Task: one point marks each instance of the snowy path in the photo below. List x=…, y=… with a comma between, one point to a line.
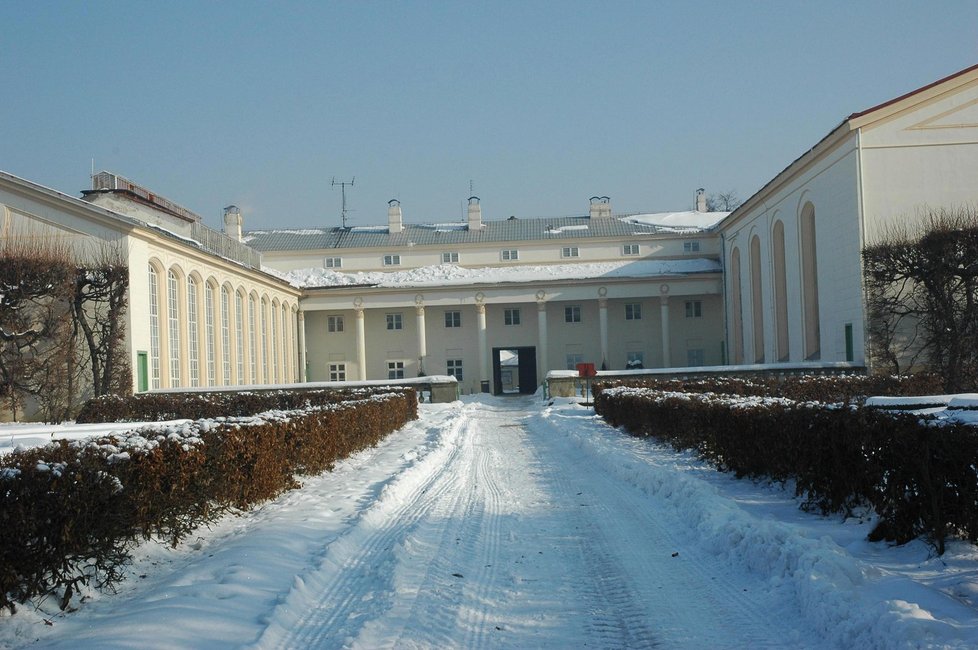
x=504, y=523
x=506, y=538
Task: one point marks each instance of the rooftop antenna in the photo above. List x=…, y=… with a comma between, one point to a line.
x=343, y=185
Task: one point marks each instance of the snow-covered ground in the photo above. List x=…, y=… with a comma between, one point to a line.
x=510, y=522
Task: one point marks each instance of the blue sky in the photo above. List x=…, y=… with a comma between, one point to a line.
x=539, y=105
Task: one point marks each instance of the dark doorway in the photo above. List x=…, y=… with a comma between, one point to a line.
x=514, y=371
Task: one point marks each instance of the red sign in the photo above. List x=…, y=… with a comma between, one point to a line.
x=586, y=370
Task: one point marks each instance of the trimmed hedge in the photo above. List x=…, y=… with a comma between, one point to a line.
x=920, y=477
x=71, y=511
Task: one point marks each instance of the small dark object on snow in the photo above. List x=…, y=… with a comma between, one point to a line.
x=676, y=554
x=457, y=575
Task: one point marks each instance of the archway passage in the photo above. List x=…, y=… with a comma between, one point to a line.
x=514, y=370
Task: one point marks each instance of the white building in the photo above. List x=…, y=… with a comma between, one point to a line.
x=777, y=280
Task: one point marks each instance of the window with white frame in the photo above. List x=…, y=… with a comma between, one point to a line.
x=333, y=262
x=695, y=357
x=511, y=316
x=395, y=322
x=635, y=360
x=570, y=251
x=691, y=247
x=392, y=260
x=264, y=340
x=395, y=370
x=210, y=335
x=572, y=314
x=454, y=368
x=273, y=317
x=574, y=358
x=239, y=336
x=453, y=318
x=629, y=249
x=633, y=311
x=509, y=254
x=334, y=323
x=694, y=309
x=252, y=320
x=193, y=336
x=173, y=312
x=449, y=258
x=337, y=372
x=154, y=326
x=226, y=336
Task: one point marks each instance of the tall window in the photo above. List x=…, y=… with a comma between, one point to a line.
x=253, y=331
x=154, y=326
x=572, y=314
x=809, y=276
x=453, y=318
x=239, y=335
x=273, y=316
x=633, y=311
x=264, y=340
x=511, y=316
x=193, y=335
x=210, y=336
x=286, y=345
x=756, y=299
x=736, y=307
x=226, y=335
x=173, y=323
x=780, y=293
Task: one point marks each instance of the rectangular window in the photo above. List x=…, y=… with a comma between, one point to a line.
x=691, y=247
x=334, y=323
x=154, y=327
x=570, y=251
x=337, y=372
x=455, y=368
x=394, y=322
x=696, y=357
x=395, y=370
x=510, y=255
x=333, y=262
x=635, y=360
x=449, y=258
x=572, y=314
x=392, y=260
x=193, y=332
x=694, y=309
x=573, y=359
x=511, y=316
x=453, y=319
x=629, y=249
x=633, y=311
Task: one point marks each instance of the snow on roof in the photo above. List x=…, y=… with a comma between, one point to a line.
x=685, y=220
x=452, y=274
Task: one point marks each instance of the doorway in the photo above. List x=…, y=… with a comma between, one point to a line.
x=514, y=371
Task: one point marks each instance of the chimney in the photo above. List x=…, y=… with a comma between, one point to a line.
x=233, y=222
x=600, y=207
x=701, y=200
x=475, y=213
x=394, y=223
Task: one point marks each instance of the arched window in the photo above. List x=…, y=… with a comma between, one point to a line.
x=239, y=334
x=173, y=325
x=154, y=326
x=225, y=336
x=252, y=319
x=780, y=293
x=756, y=299
x=286, y=345
x=809, y=283
x=210, y=334
x=737, y=326
x=273, y=317
x=193, y=334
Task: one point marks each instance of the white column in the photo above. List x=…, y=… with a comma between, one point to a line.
x=483, y=346
x=664, y=301
x=603, y=322
x=422, y=345
x=542, y=338
x=361, y=344
x=302, y=346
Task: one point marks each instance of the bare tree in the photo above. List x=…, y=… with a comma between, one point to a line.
x=723, y=201
x=922, y=289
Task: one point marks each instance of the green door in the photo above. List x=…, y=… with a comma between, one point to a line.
x=142, y=371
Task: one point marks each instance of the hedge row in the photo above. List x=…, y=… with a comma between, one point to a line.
x=920, y=477
x=157, y=407
x=801, y=388
x=70, y=512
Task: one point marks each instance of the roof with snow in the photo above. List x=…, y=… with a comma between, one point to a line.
x=451, y=274
x=512, y=229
